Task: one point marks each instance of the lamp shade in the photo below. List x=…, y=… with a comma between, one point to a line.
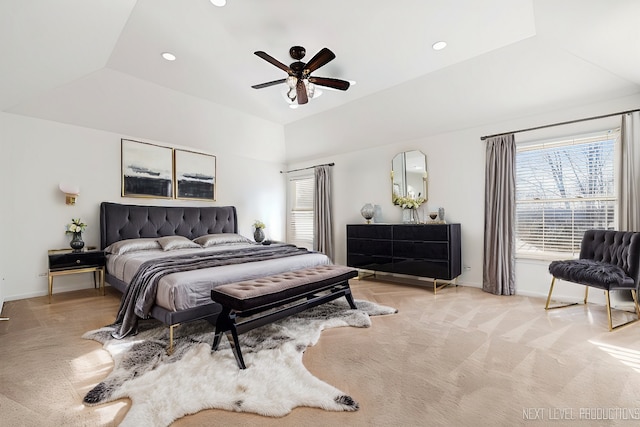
x=71, y=192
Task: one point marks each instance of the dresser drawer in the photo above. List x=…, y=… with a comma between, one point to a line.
x=420, y=267
x=369, y=231
x=431, y=232
x=370, y=247
x=421, y=250
x=370, y=262
x=70, y=260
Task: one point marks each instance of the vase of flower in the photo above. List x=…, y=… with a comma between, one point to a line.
x=75, y=228
x=409, y=207
x=76, y=241
x=410, y=216
x=258, y=233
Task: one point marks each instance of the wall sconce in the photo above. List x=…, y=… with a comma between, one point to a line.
x=71, y=192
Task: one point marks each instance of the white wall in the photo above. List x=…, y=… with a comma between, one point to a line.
x=4, y=179
x=38, y=154
x=455, y=162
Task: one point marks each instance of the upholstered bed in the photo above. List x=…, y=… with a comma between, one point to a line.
x=207, y=237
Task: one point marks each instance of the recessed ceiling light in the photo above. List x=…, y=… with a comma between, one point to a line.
x=218, y=3
x=439, y=45
x=169, y=56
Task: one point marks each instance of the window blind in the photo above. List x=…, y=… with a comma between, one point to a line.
x=564, y=188
x=300, y=228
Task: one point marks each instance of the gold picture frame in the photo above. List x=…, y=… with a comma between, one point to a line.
x=147, y=170
x=194, y=175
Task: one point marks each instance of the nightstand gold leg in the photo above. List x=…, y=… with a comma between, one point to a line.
x=50, y=287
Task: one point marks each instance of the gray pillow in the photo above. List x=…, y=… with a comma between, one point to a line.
x=170, y=243
x=220, y=239
x=131, y=245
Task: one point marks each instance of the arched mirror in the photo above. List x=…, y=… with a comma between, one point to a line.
x=409, y=176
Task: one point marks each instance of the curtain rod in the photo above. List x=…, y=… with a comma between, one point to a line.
x=560, y=124
x=310, y=167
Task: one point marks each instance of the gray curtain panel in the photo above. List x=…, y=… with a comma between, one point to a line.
x=498, y=276
x=322, y=207
x=629, y=188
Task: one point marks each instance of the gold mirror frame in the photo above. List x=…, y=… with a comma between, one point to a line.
x=409, y=184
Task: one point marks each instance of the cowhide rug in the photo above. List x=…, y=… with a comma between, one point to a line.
x=163, y=388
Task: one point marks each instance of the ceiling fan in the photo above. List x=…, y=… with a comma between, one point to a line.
x=300, y=82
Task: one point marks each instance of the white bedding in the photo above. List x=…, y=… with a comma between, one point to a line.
x=179, y=291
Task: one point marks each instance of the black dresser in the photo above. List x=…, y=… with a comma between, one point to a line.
x=425, y=250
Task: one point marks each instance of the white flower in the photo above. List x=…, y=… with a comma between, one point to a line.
x=407, y=202
x=76, y=226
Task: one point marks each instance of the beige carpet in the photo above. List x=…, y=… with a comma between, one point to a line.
x=461, y=357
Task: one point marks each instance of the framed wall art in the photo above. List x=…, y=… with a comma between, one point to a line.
x=147, y=170
x=195, y=175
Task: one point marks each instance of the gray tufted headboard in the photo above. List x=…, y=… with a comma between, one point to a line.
x=119, y=222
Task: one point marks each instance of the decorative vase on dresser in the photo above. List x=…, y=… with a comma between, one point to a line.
x=410, y=216
x=432, y=251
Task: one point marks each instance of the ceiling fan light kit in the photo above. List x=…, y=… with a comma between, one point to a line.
x=302, y=86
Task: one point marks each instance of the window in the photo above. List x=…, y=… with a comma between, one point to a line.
x=564, y=188
x=300, y=224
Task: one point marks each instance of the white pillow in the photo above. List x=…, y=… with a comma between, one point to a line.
x=170, y=243
x=131, y=245
x=220, y=239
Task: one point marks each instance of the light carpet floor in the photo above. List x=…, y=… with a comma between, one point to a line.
x=462, y=357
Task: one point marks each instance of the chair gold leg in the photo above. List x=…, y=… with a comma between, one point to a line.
x=553, y=281
x=606, y=292
x=546, y=307
x=586, y=293
x=635, y=303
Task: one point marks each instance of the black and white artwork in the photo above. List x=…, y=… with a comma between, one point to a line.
x=195, y=175
x=147, y=170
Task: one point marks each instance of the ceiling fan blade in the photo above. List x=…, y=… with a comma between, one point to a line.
x=274, y=61
x=301, y=91
x=321, y=58
x=273, y=83
x=329, y=82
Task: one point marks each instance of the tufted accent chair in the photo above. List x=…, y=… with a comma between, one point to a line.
x=609, y=260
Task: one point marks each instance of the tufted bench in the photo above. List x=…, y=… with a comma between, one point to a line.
x=609, y=260
x=267, y=299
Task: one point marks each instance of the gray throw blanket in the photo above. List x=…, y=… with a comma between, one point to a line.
x=140, y=295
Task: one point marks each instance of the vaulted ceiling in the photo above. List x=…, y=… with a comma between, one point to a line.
x=78, y=61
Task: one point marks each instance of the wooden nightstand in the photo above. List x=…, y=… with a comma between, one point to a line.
x=68, y=261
